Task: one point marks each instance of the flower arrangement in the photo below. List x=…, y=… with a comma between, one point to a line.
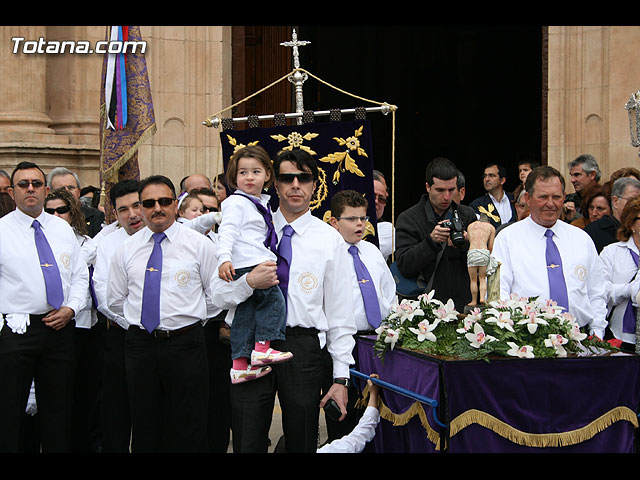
x=517, y=327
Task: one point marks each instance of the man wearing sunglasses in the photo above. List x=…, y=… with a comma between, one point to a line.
x=319, y=318
x=385, y=229
x=159, y=282
x=43, y=282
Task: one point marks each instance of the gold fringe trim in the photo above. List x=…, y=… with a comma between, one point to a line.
x=401, y=419
x=542, y=440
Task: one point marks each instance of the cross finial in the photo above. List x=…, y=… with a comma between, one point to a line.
x=295, y=44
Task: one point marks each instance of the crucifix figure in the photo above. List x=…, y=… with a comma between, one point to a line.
x=298, y=78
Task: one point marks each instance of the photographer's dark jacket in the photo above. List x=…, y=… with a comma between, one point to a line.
x=416, y=253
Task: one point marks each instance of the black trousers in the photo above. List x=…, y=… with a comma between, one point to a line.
x=114, y=411
x=298, y=384
x=219, y=355
x=168, y=381
x=46, y=356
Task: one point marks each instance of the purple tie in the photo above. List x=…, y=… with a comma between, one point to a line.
x=284, y=259
x=150, y=315
x=271, y=240
x=557, y=285
x=629, y=319
x=367, y=288
x=52, y=280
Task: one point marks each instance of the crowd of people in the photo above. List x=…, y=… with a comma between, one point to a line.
x=174, y=327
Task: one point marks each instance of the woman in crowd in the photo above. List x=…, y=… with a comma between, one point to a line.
x=595, y=205
x=620, y=263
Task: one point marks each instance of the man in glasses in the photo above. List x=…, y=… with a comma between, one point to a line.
x=159, y=282
x=43, y=282
x=385, y=229
x=314, y=276
x=61, y=177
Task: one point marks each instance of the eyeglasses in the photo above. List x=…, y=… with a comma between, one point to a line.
x=289, y=177
x=163, y=202
x=206, y=209
x=353, y=219
x=381, y=200
x=59, y=210
x=24, y=184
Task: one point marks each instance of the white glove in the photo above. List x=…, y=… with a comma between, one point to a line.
x=217, y=217
x=18, y=322
x=32, y=407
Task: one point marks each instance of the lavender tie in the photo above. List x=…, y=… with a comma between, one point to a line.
x=150, y=315
x=629, y=319
x=52, y=280
x=557, y=285
x=284, y=259
x=271, y=240
x=367, y=288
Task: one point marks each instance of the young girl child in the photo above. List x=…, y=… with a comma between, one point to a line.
x=191, y=213
x=245, y=239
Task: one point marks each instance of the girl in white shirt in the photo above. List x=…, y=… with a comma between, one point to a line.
x=246, y=238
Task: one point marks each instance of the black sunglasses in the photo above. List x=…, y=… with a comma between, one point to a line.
x=60, y=210
x=209, y=209
x=289, y=177
x=24, y=184
x=151, y=202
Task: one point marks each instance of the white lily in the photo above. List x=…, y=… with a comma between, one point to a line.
x=467, y=323
x=557, y=341
x=575, y=333
x=425, y=330
x=532, y=322
x=391, y=337
x=406, y=310
x=501, y=318
x=446, y=312
x=427, y=297
x=526, y=351
x=478, y=337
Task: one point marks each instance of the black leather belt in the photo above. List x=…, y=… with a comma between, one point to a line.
x=170, y=333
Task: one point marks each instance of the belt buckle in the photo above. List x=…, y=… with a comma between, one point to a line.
x=161, y=333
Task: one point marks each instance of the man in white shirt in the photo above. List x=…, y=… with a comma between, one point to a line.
x=526, y=249
x=115, y=418
x=372, y=285
x=43, y=283
x=496, y=203
x=319, y=313
x=159, y=282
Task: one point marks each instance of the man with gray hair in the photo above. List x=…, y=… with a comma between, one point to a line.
x=61, y=177
x=5, y=181
x=583, y=173
x=603, y=231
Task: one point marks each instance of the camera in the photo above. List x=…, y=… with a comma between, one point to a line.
x=456, y=229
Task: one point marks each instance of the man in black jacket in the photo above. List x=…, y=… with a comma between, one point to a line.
x=424, y=247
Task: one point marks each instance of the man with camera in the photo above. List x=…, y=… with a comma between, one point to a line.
x=431, y=237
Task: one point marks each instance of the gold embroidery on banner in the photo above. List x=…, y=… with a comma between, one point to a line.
x=350, y=165
x=295, y=140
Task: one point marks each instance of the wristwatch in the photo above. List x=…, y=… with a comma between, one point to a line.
x=342, y=381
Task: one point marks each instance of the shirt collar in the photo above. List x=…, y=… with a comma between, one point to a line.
x=495, y=200
x=299, y=225
x=27, y=220
x=171, y=232
x=630, y=244
x=539, y=229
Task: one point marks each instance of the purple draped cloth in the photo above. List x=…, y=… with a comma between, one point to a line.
x=538, y=396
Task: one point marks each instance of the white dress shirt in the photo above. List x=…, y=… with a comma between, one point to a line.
x=22, y=287
x=319, y=294
x=621, y=284
x=503, y=206
x=382, y=279
x=87, y=317
x=521, y=250
x=386, y=238
x=104, y=256
x=357, y=439
x=188, y=264
x=242, y=232
x=202, y=223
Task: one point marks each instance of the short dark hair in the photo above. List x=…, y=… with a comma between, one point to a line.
x=347, y=198
x=532, y=163
x=303, y=160
x=122, y=188
x=256, y=152
x=27, y=166
x=157, y=180
x=542, y=172
x=502, y=172
x=441, y=168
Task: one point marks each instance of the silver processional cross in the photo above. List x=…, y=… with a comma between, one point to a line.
x=298, y=78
